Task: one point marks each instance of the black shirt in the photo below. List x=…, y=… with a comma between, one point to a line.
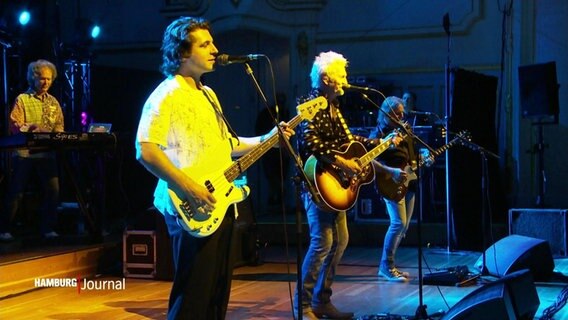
x=395, y=156
x=323, y=136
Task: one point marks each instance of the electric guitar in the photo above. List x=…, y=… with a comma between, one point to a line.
x=218, y=177
x=338, y=190
x=395, y=191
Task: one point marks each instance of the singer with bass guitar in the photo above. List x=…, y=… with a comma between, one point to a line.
x=182, y=126
x=324, y=138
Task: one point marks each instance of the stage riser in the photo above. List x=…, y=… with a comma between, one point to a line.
x=19, y=276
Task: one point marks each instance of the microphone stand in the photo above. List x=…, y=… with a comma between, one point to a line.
x=301, y=177
x=448, y=111
x=5, y=157
x=5, y=46
x=421, y=309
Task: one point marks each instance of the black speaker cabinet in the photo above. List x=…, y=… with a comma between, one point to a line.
x=245, y=242
x=139, y=254
x=516, y=252
x=511, y=297
x=546, y=224
x=473, y=105
x=538, y=90
x=147, y=253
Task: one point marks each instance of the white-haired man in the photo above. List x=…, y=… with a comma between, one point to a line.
x=323, y=138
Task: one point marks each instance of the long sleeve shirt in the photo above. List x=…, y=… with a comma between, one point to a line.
x=323, y=136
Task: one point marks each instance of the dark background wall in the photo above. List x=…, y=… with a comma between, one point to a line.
x=391, y=45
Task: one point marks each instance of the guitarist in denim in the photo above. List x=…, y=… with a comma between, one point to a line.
x=322, y=137
x=399, y=210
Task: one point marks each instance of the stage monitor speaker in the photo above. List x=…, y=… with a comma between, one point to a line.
x=511, y=297
x=538, y=90
x=517, y=252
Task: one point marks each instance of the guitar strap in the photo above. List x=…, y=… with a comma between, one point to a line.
x=412, y=153
x=219, y=113
x=344, y=125
x=233, y=133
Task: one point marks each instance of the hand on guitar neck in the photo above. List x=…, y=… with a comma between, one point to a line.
x=426, y=158
x=396, y=138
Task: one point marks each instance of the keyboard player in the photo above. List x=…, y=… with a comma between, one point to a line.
x=34, y=111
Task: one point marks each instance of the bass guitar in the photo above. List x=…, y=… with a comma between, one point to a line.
x=338, y=190
x=395, y=191
x=219, y=179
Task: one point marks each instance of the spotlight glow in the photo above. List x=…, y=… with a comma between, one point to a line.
x=95, y=31
x=24, y=17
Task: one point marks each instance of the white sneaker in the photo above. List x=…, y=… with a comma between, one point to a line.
x=50, y=235
x=392, y=275
x=404, y=273
x=6, y=236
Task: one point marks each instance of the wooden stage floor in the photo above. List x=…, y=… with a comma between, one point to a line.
x=264, y=291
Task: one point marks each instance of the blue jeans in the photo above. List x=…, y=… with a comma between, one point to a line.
x=328, y=239
x=399, y=213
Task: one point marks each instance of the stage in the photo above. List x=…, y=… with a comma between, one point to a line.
x=258, y=292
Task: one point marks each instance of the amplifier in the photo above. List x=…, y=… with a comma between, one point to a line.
x=545, y=224
x=139, y=254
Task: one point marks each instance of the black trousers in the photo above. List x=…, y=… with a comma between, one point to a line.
x=47, y=172
x=203, y=271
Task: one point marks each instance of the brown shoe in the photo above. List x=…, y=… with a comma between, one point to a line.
x=329, y=311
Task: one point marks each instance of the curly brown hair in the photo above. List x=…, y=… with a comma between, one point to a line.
x=35, y=67
x=176, y=43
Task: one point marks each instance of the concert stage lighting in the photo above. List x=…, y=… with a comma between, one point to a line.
x=95, y=31
x=24, y=17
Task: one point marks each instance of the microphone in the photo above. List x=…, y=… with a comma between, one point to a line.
x=446, y=23
x=418, y=113
x=225, y=59
x=352, y=87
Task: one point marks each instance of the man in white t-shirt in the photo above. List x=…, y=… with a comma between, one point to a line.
x=182, y=127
